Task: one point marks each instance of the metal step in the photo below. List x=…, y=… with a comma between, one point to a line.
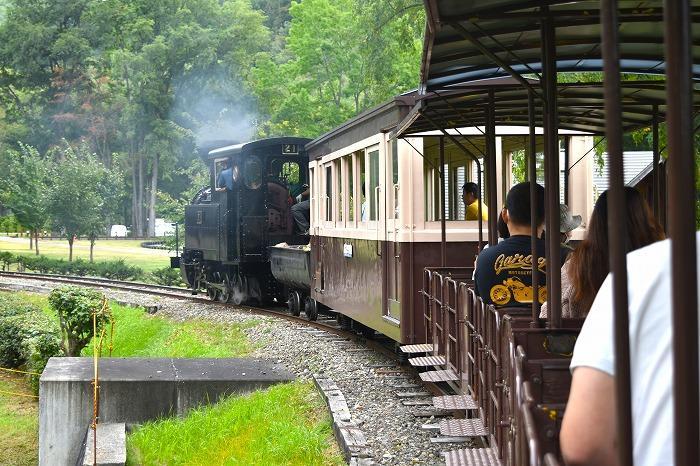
x=422, y=348
x=427, y=361
x=454, y=402
x=472, y=457
x=463, y=428
x=438, y=376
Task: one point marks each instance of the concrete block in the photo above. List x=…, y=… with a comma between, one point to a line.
x=111, y=445
x=135, y=390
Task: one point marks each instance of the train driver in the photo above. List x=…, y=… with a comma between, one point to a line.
x=225, y=179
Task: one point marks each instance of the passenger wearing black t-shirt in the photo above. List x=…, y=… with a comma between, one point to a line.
x=503, y=273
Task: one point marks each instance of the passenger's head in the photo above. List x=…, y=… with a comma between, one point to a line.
x=503, y=231
x=470, y=193
x=589, y=262
x=518, y=205
x=567, y=222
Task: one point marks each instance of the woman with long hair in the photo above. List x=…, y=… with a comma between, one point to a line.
x=588, y=265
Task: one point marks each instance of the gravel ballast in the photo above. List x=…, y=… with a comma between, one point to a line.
x=369, y=380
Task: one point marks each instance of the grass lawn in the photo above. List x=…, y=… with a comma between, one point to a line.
x=138, y=334
x=283, y=425
x=129, y=250
x=286, y=424
x=19, y=422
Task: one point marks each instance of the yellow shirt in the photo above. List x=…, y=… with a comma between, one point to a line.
x=473, y=212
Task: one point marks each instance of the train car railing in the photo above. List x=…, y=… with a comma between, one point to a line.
x=454, y=320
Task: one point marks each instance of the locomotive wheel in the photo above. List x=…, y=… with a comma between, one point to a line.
x=213, y=293
x=239, y=292
x=226, y=295
x=311, y=308
x=294, y=303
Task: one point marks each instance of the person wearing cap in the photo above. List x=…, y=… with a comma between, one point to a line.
x=586, y=267
x=470, y=196
x=567, y=224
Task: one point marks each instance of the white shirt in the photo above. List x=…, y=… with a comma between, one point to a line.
x=651, y=363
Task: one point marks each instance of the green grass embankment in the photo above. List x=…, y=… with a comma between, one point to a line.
x=283, y=425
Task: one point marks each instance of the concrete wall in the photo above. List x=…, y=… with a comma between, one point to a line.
x=134, y=390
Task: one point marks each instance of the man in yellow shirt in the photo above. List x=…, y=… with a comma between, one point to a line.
x=470, y=196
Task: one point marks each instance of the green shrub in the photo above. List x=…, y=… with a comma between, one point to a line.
x=117, y=269
x=36, y=352
x=7, y=259
x=75, y=307
x=167, y=276
x=28, y=337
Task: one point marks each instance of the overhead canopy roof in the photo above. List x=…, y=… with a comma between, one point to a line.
x=510, y=30
x=581, y=106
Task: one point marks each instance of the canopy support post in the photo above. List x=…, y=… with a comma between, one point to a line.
x=682, y=202
x=491, y=169
x=551, y=158
x=532, y=171
x=616, y=228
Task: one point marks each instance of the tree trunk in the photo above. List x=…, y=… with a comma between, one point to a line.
x=139, y=229
x=134, y=199
x=70, y=248
x=31, y=241
x=92, y=247
x=36, y=241
x=152, y=201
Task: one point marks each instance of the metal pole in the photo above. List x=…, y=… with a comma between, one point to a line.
x=491, y=169
x=681, y=159
x=532, y=163
x=656, y=195
x=616, y=226
x=177, y=240
x=567, y=155
x=551, y=156
x=443, y=232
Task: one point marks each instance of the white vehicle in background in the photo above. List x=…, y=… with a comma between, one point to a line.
x=163, y=228
x=118, y=231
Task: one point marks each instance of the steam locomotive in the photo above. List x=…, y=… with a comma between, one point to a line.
x=230, y=225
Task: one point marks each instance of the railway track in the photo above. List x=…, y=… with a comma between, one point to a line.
x=325, y=322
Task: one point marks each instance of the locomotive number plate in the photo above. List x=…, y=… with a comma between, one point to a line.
x=290, y=149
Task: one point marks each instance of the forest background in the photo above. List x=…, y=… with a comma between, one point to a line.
x=105, y=104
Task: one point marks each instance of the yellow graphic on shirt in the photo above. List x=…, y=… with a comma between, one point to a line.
x=514, y=288
x=518, y=261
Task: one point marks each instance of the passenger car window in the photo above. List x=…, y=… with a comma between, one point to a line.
x=373, y=183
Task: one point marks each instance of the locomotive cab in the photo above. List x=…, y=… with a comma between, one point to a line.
x=247, y=209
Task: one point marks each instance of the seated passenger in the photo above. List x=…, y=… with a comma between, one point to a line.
x=503, y=274
x=567, y=224
x=587, y=267
x=589, y=431
x=301, y=211
x=470, y=196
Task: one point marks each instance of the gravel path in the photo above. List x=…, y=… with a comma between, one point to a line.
x=368, y=379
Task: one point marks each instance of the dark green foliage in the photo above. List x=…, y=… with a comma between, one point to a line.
x=36, y=352
x=167, y=276
x=75, y=308
x=116, y=269
x=7, y=259
x=28, y=337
